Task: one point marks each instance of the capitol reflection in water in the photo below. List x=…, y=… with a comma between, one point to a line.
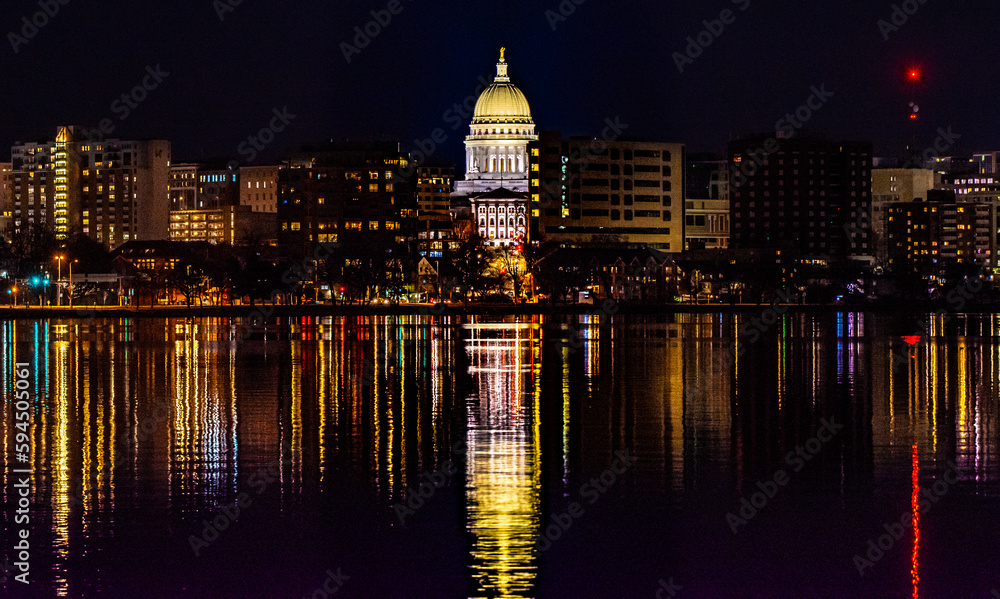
x=144, y=428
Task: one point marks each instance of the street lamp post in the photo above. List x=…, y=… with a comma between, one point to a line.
x=69, y=287
x=59, y=260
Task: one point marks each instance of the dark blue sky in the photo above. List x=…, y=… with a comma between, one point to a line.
x=605, y=60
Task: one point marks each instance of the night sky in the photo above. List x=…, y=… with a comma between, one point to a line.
x=604, y=60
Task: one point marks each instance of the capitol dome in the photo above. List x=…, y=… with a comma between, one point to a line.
x=502, y=103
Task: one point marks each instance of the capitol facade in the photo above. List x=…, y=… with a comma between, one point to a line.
x=497, y=163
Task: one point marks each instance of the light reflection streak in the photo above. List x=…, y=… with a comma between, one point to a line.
x=503, y=468
x=915, y=509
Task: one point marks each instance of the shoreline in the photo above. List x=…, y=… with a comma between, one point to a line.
x=320, y=310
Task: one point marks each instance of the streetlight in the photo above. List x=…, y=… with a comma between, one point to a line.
x=59, y=260
x=70, y=286
x=13, y=291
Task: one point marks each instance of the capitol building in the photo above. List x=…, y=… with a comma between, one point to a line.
x=497, y=164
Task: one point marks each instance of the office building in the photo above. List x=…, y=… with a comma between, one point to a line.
x=892, y=186
x=434, y=188
x=346, y=190
x=6, y=197
x=802, y=195
x=234, y=225
x=113, y=191
x=939, y=234
x=590, y=191
x=706, y=205
x=259, y=187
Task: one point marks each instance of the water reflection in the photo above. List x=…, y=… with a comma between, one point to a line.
x=368, y=405
x=503, y=467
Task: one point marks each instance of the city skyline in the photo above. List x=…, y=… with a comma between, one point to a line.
x=208, y=110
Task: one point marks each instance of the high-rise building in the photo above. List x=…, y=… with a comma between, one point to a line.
x=184, y=186
x=497, y=146
x=939, y=233
x=586, y=191
x=229, y=224
x=892, y=186
x=706, y=205
x=114, y=191
x=218, y=188
x=6, y=196
x=223, y=204
x=344, y=190
x=259, y=187
x=805, y=195
x=986, y=163
x=434, y=188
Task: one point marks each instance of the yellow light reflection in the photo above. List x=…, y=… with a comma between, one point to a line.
x=503, y=467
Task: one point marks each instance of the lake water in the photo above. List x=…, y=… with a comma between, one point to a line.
x=383, y=457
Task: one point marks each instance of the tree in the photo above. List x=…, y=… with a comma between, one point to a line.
x=189, y=279
x=513, y=271
x=92, y=255
x=33, y=243
x=471, y=262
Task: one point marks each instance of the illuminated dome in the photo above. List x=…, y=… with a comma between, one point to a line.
x=502, y=102
x=496, y=149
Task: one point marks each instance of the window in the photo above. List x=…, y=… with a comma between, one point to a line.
x=373, y=188
x=373, y=225
x=352, y=225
